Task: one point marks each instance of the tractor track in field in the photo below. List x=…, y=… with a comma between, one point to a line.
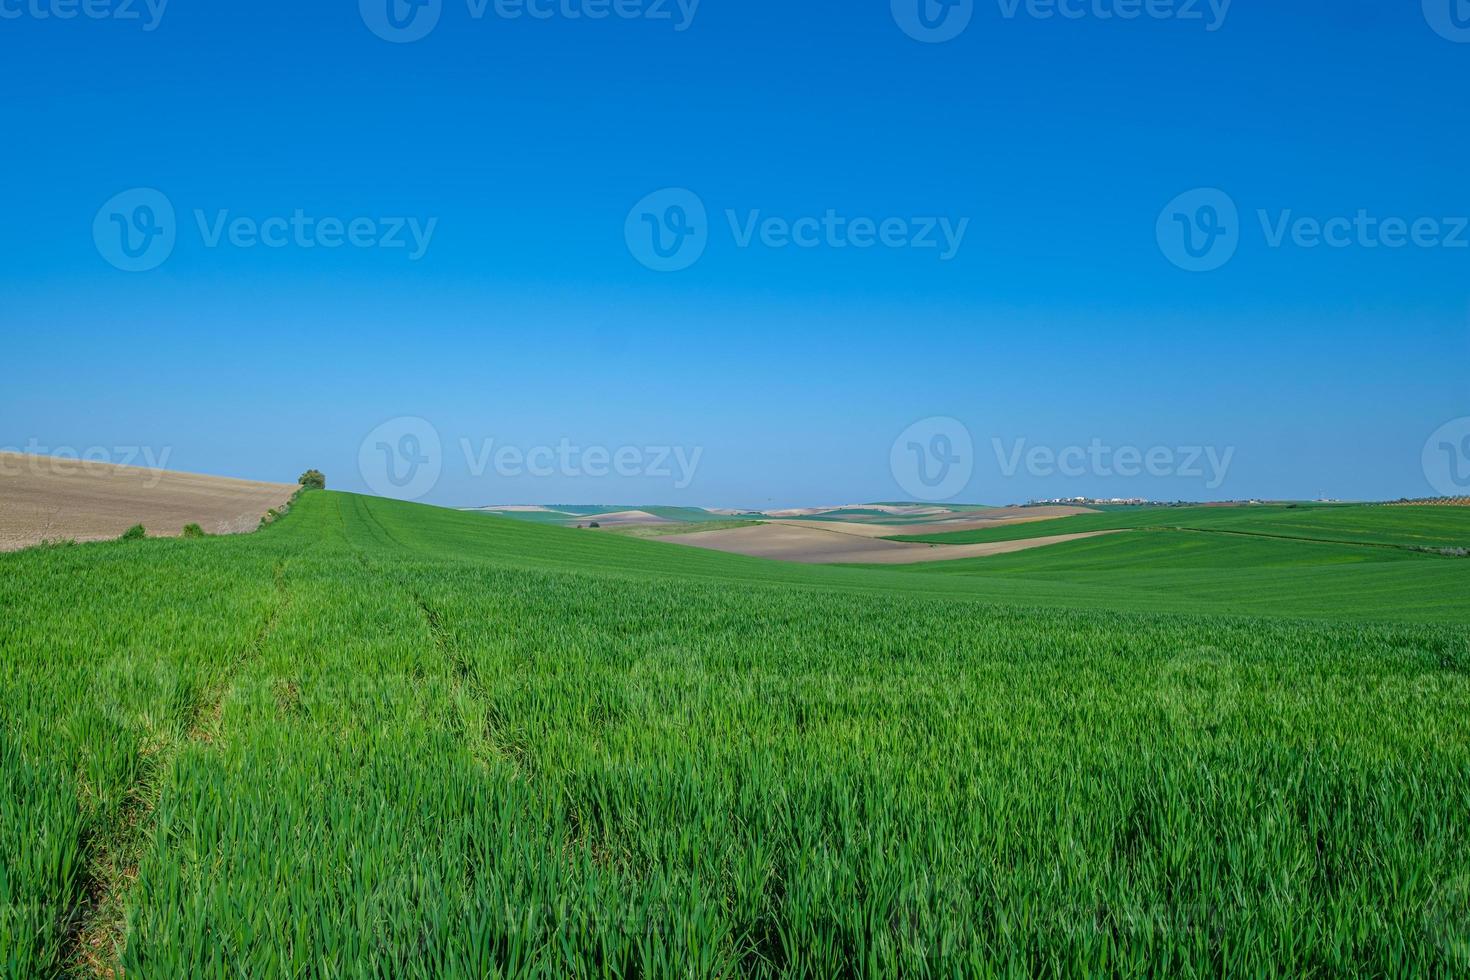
x=463, y=680
x=206, y=721
x=1419, y=549
x=485, y=743
x=462, y=674
x=112, y=869
x=1450, y=551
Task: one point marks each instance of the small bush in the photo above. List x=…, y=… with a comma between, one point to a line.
x=135, y=533
x=313, y=480
x=595, y=524
x=193, y=531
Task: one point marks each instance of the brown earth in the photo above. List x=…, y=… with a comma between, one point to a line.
x=887, y=510
x=813, y=543
x=47, y=499
x=852, y=528
x=951, y=520
x=621, y=518
x=971, y=521
x=995, y=517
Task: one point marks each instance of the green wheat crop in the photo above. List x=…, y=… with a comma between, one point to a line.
x=381, y=740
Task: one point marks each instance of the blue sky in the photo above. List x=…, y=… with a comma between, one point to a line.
x=1061, y=319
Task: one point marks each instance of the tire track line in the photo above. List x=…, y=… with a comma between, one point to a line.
x=112, y=870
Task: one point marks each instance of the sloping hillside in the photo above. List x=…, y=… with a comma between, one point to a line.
x=384, y=739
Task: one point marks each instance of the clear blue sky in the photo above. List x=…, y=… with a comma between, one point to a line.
x=528, y=320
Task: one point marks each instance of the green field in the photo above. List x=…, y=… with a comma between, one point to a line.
x=384, y=740
x=1167, y=570
x=1421, y=527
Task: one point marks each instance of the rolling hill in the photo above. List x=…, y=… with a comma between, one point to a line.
x=385, y=739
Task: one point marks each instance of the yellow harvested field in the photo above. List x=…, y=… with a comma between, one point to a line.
x=813, y=543
x=48, y=499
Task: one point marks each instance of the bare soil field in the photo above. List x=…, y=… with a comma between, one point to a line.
x=871, y=531
x=996, y=517
x=1010, y=515
x=951, y=520
x=818, y=544
x=677, y=527
x=623, y=518
x=48, y=499
x=872, y=512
